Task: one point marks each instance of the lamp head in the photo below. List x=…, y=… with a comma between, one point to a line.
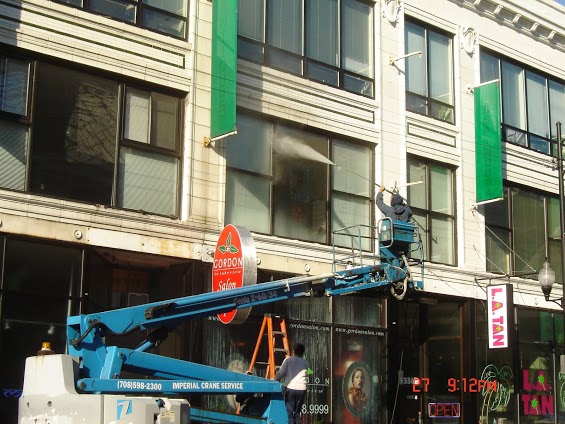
x=546, y=278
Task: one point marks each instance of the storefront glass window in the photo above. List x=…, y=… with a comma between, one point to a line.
x=494, y=365
x=536, y=366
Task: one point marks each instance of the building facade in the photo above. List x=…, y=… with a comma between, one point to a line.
x=110, y=194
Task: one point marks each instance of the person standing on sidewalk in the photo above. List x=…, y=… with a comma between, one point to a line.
x=293, y=372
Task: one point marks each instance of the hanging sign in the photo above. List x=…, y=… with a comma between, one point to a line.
x=500, y=315
x=235, y=266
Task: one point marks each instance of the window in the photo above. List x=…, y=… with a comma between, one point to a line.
x=164, y=16
x=531, y=104
x=330, y=41
x=520, y=230
x=77, y=142
x=280, y=181
x=432, y=203
x=14, y=132
x=429, y=78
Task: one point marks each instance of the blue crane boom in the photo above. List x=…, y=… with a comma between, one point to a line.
x=97, y=368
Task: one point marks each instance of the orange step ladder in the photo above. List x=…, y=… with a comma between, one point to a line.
x=274, y=339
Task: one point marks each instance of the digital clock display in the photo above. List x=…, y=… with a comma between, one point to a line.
x=460, y=385
x=470, y=385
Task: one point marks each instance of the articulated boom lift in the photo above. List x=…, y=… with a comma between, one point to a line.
x=86, y=384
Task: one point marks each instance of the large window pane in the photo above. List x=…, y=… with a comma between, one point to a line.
x=13, y=155
x=441, y=181
x=148, y=182
x=178, y=7
x=43, y=270
x=300, y=185
x=489, y=68
x=422, y=223
x=441, y=81
x=444, y=320
x=322, y=31
x=536, y=87
x=164, y=121
x=432, y=205
x=416, y=74
x=248, y=202
x=349, y=211
x=498, y=250
x=357, y=37
x=417, y=193
x=513, y=96
x=528, y=230
x=352, y=170
x=442, y=246
x=121, y=10
x=554, y=236
x=136, y=115
x=557, y=106
x=278, y=180
x=250, y=19
x=74, y=135
x=496, y=213
x=164, y=23
x=250, y=148
x=14, y=77
x=285, y=25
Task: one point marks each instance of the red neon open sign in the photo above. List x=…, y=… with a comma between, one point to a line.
x=444, y=410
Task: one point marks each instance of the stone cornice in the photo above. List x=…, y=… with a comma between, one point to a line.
x=527, y=21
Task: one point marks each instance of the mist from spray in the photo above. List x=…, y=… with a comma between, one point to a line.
x=292, y=147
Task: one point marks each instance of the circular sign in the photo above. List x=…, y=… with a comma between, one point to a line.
x=235, y=265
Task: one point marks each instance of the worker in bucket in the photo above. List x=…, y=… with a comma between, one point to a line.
x=293, y=372
x=397, y=210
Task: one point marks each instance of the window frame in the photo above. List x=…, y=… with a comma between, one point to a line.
x=119, y=142
x=262, y=52
x=530, y=137
x=140, y=9
x=430, y=214
x=429, y=102
x=509, y=230
x=330, y=190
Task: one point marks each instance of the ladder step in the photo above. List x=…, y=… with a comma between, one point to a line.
x=261, y=363
x=280, y=349
x=279, y=333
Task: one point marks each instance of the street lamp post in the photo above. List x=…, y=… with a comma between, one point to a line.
x=561, y=201
x=546, y=275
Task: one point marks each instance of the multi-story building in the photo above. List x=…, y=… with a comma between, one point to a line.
x=112, y=194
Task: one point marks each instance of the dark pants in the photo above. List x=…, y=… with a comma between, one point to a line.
x=293, y=400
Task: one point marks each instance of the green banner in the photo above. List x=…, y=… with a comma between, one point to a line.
x=224, y=67
x=488, y=145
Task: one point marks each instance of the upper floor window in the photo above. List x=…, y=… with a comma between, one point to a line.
x=531, y=104
x=433, y=205
x=167, y=17
x=330, y=41
x=89, y=142
x=521, y=231
x=280, y=181
x=429, y=78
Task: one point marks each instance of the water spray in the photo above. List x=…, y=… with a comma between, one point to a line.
x=392, y=190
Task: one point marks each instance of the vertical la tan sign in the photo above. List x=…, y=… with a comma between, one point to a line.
x=235, y=265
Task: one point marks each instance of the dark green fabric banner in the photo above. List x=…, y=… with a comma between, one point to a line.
x=488, y=145
x=224, y=67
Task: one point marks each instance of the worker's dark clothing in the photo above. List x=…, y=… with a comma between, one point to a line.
x=397, y=209
x=293, y=400
x=293, y=371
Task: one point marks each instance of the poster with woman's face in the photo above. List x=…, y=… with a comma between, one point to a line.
x=357, y=388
